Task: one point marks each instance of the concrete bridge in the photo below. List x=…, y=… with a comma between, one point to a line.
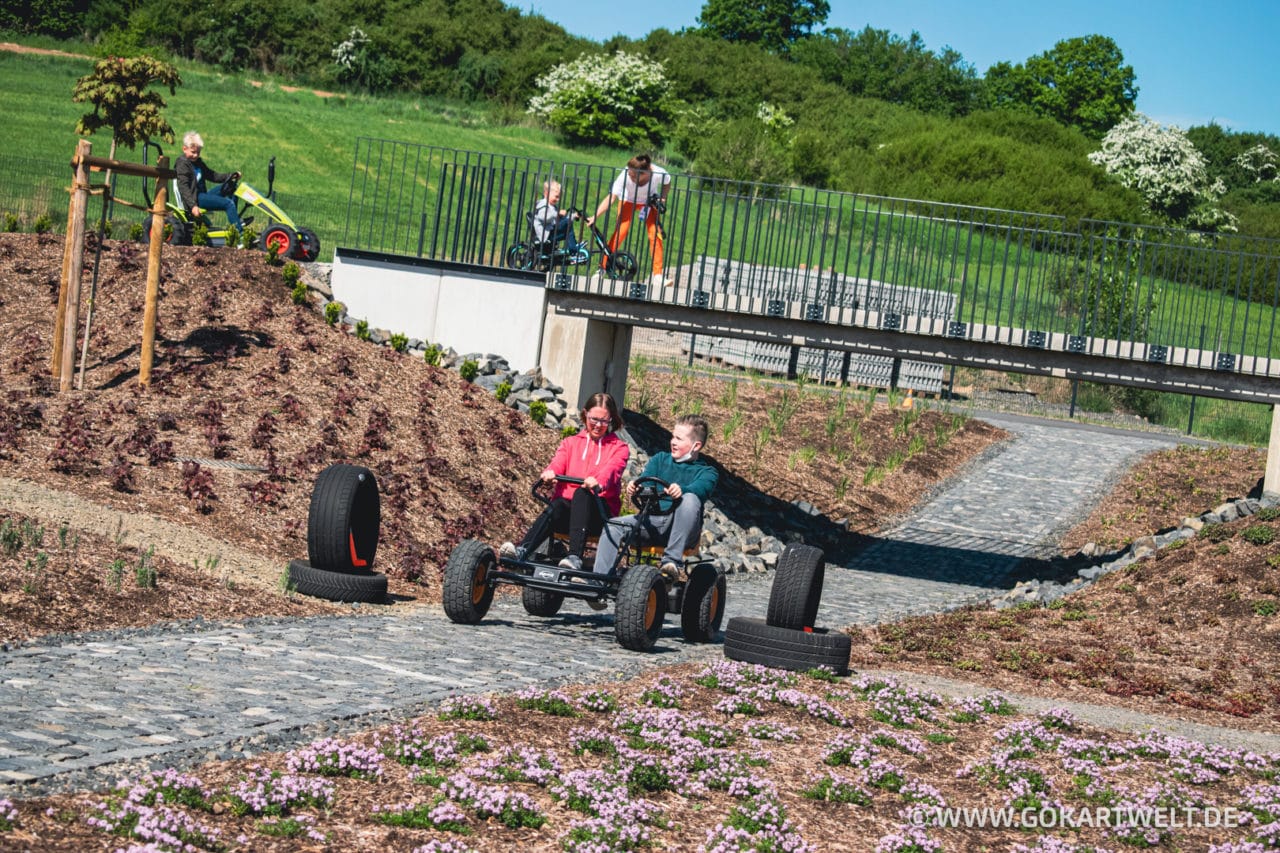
x=578, y=328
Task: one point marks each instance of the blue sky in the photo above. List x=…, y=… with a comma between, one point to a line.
x=1195, y=62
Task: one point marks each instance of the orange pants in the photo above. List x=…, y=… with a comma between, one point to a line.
x=623, y=227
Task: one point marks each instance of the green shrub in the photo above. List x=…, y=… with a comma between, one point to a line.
x=291, y=273
x=538, y=412
x=503, y=391
x=469, y=370
x=11, y=222
x=567, y=430
x=200, y=237
x=1258, y=534
x=1216, y=532
x=431, y=355
x=362, y=329
x=43, y=224
x=299, y=293
x=399, y=342
x=136, y=231
x=1269, y=513
x=332, y=312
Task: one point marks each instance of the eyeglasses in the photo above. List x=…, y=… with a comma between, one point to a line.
x=599, y=421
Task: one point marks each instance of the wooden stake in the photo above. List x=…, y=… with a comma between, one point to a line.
x=70, y=313
x=153, y=276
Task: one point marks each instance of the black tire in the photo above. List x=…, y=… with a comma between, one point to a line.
x=750, y=640
x=343, y=523
x=179, y=232
x=640, y=608
x=702, y=609
x=467, y=592
x=622, y=265
x=521, y=256
x=797, y=588
x=540, y=602
x=333, y=586
x=308, y=245
x=283, y=238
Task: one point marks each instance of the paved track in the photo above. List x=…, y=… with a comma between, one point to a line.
x=84, y=710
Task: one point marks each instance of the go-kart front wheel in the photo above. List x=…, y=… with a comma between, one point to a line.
x=540, y=602
x=641, y=605
x=467, y=592
x=702, y=608
x=281, y=239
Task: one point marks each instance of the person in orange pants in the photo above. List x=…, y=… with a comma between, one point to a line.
x=641, y=187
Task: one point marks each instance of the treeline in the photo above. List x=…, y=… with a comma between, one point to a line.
x=867, y=111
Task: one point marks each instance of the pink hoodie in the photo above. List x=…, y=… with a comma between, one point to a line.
x=606, y=459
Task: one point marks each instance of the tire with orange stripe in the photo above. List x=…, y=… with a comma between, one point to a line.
x=344, y=520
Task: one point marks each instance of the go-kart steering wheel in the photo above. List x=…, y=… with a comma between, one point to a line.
x=228, y=187
x=541, y=489
x=648, y=496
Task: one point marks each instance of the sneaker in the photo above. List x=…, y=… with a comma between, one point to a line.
x=510, y=551
x=660, y=281
x=581, y=256
x=597, y=604
x=572, y=562
x=248, y=220
x=670, y=571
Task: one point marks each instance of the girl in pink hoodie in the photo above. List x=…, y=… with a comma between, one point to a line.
x=598, y=456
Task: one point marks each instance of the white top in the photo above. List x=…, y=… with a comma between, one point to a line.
x=545, y=217
x=628, y=190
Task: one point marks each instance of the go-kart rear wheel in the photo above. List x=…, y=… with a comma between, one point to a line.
x=702, y=608
x=178, y=233
x=638, y=613
x=308, y=245
x=622, y=265
x=467, y=592
x=282, y=239
x=540, y=602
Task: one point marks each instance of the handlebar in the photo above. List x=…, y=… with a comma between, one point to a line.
x=540, y=484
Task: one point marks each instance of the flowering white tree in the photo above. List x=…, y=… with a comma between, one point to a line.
x=619, y=100
x=1261, y=162
x=1166, y=168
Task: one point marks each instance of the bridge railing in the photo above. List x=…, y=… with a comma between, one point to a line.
x=1012, y=277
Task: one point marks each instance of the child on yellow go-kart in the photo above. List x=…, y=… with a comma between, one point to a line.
x=193, y=175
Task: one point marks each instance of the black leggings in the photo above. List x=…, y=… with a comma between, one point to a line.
x=579, y=517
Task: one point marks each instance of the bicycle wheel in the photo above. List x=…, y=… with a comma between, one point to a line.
x=623, y=266
x=521, y=256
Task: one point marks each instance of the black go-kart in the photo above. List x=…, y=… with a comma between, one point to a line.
x=642, y=595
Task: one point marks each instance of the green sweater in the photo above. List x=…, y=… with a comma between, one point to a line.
x=697, y=476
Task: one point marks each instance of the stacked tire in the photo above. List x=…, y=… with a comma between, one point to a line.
x=786, y=638
x=342, y=539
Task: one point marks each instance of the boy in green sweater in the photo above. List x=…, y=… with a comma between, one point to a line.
x=692, y=481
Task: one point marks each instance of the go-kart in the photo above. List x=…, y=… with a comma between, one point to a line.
x=642, y=594
x=281, y=233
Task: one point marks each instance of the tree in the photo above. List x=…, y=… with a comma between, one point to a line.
x=118, y=90
x=877, y=64
x=618, y=100
x=1170, y=173
x=1082, y=82
x=772, y=24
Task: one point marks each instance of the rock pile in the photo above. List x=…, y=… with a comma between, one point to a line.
x=1096, y=563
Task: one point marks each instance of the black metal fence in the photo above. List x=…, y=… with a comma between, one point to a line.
x=1003, y=276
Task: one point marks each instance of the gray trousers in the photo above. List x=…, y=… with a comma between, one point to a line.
x=679, y=531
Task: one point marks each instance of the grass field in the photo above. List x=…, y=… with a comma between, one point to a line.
x=246, y=121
